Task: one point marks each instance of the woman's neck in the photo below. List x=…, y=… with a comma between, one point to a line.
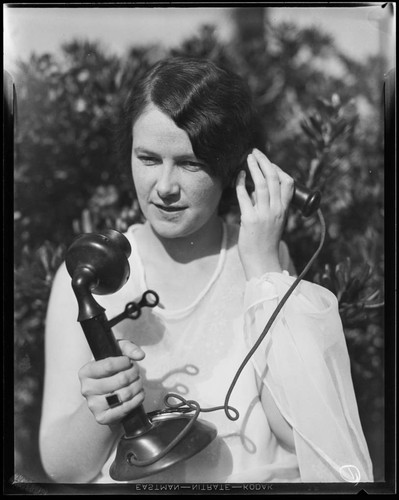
x=179, y=269
x=203, y=243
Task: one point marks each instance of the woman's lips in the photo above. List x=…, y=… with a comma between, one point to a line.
x=166, y=208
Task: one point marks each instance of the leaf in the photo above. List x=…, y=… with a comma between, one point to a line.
x=365, y=273
x=335, y=100
x=339, y=130
x=352, y=289
x=307, y=128
x=373, y=295
x=316, y=123
x=340, y=275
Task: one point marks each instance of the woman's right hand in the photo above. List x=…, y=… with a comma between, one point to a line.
x=114, y=375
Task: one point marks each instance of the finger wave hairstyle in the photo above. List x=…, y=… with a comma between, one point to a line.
x=211, y=104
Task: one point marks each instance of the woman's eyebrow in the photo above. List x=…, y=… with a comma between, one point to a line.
x=143, y=150
x=187, y=156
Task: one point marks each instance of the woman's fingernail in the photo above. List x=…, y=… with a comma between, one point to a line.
x=139, y=352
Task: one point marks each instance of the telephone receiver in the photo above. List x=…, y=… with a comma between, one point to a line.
x=98, y=264
x=306, y=200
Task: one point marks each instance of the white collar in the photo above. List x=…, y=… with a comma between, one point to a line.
x=139, y=269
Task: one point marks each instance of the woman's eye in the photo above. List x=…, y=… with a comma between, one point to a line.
x=192, y=166
x=188, y=165
x=148, y=160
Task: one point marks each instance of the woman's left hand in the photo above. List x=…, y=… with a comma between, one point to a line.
x=263, y=215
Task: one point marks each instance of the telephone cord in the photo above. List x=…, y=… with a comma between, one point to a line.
x=187, y=406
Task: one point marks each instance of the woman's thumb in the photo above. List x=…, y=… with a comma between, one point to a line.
x=131, y=350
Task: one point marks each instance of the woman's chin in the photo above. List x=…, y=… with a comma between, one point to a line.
x=168, y=229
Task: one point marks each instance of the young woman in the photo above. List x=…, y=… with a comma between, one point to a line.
x=193, y=136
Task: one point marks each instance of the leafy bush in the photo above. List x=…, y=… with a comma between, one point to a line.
x=324, y=129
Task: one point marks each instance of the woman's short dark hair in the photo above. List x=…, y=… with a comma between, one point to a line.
x=211, y=104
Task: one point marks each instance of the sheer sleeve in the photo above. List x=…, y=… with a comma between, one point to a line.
x=304, y=363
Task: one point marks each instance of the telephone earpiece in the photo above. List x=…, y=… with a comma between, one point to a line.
x=305, y=200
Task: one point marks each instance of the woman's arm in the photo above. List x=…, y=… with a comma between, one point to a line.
x=74, y=447
x=77, y=428
x=303, y=361
x=261, y=250
x=278, y=425
x=304, y=364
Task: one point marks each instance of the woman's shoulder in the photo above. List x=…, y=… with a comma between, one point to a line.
x=62, y=279
x=132, y=230
x=133, y=235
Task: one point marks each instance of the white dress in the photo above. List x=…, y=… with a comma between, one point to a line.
x=303, y=360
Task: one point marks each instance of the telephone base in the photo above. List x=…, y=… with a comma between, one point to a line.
x=143, y=447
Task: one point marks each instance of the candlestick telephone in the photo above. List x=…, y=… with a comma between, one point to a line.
x=98, y=264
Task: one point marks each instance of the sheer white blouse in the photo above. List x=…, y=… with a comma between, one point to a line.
x=303, y=361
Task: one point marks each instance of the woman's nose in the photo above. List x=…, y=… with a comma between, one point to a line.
x=167, y=184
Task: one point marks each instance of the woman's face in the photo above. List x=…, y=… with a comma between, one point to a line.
x=176, y=194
